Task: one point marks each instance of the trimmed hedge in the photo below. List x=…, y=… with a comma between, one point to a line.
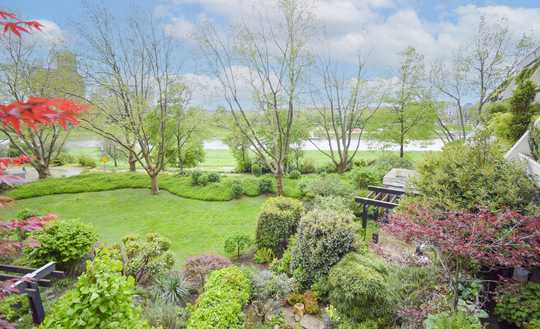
x=220, y=305
x=277, y=222
x=180, y=186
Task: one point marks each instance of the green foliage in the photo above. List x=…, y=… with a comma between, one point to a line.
x=172, y=289
x=264, y=256
x=387, y=162
x=26, y=213
x=282, y=265
x=269, y=285
x=324, y=236
x=277, y=222
x=520, y=107
x=203, y=180
x=365, y=176
x=457, y=320
x=534, y=141
x=65, y=242
x=86, y=161
x=234, y=245
x=266, y=185
x=227, y=189
x=195, y=175
x=499, y=124
x=256, y=170
x=101, y=299
x=146, y=257
x=237, y=189
x=221, y=303
x=64, y=159
x=14, y=306
x=311, y=304
x=295, y=298
x=307, y=166
x=472, y=176
x=165, y=316
x=358, y=289
x=519, y=306
x=214, y=177
x=295, y=174
x=329, y=185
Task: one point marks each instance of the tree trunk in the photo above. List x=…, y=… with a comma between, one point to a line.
x=154, y=184
x=342, y=165
x=279, y=180
x=401, y=148
x=132, y=163
x=43, y=171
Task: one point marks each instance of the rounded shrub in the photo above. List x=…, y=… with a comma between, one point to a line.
x=237, y=190
x=195, y=177
x=358, y=289
x=213, y=177
x=198, y=267
x=265, y=185
x=256, y=170
x=307, y=166
x=222, y=302
x=295, y=174
x=65, y=242
x=388, y=162
x=324, y=236
x=86, y=161
x=277, y=222
x=329, y=185
x=101, y=299
x=365, y=176
x=203, y=180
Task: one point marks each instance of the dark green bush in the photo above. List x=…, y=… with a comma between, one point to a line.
x=222, y=302
x=65, y=242
x=146, y=257
x=295, y=174
x=266, y=185
x=14, y=306
x=256, y=170
x=282, y=265
x=86, y=161
x=195, y=177
x=365, y=176
x=329, y=185
x=101, y=299
x=203, y=180
x=358, y=289
x=237, y=190
x=324, y=236
x=475, y=176
x=277, y=222
x=519, y=304
x=63, y=159
x=307, y=166
x=387, y=162
x=213, y=177
x=534, y=142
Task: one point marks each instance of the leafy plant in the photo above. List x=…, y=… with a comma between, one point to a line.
x=295, y=298
x=101, y=299
x=365, y=176
x=86, y=161
x=203, y=180
x=165, y=316
x=277, y=222
x=256, y=170
x=324, y=236
x=329, y=185
x=172, y=289
x=235, y=244
x=221, y=303
x=198, y=267
x=14, y=306
x=519, y=304
x=213, y=177
x=146, y=258
x=282, y=265
x=265, y=185
x=311, y=304
x=264, y=256
x=65, y=242
x=195, y=177
x=295, y=174
x=237, y=189
x=534, y=141
x=456, y=320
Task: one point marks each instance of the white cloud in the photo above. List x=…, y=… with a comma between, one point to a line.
x=180, y=28
x=50, y=34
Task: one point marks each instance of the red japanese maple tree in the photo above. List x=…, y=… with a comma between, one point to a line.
x=32, y=112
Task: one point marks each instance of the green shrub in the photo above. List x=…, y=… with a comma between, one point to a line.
x=534, y=141
x=198, y=267
x=282, y=265
x=256, y=170
x=295, y=298
x=264, y=256
x=63, y=159
x=221, y=303
x=307, y=166
x=236, y=189
x=86, y=161
x=519, y=306
x=234, y=245
x=324, y=236
x=146, y=257
x=359, y=290
x=329, y=185
x=474, y=176
x=65, y=242
x=457, y=320
x=295, y=174
x=365, y=176
x=214, y=177
x=277, y=222
x=203, y=180
x=26, y=213
x=195, y=175
x=172, y=289
x=387, y=162
x=266, y=185
x=521, y=108
x=311, y=305
x=101, y=299
x=14, y=306
x=165, y=316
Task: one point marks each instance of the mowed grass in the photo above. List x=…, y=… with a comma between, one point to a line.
x=194, y=227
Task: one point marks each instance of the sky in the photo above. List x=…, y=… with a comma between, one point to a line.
x=379, y=28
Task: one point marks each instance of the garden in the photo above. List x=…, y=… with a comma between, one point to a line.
x=151, y=232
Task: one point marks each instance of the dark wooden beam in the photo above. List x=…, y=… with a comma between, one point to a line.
x=26, y=270
x=41, y=282
x=376, y=203
x=388, y=190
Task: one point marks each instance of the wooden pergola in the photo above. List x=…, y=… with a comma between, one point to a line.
x=29, y=284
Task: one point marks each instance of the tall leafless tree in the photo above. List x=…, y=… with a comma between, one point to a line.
x=131, y=64
x=272, y=56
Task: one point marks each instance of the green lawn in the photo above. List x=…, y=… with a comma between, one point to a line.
x=194, y=227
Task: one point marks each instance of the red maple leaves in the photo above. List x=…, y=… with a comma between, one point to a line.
x=16, y=26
